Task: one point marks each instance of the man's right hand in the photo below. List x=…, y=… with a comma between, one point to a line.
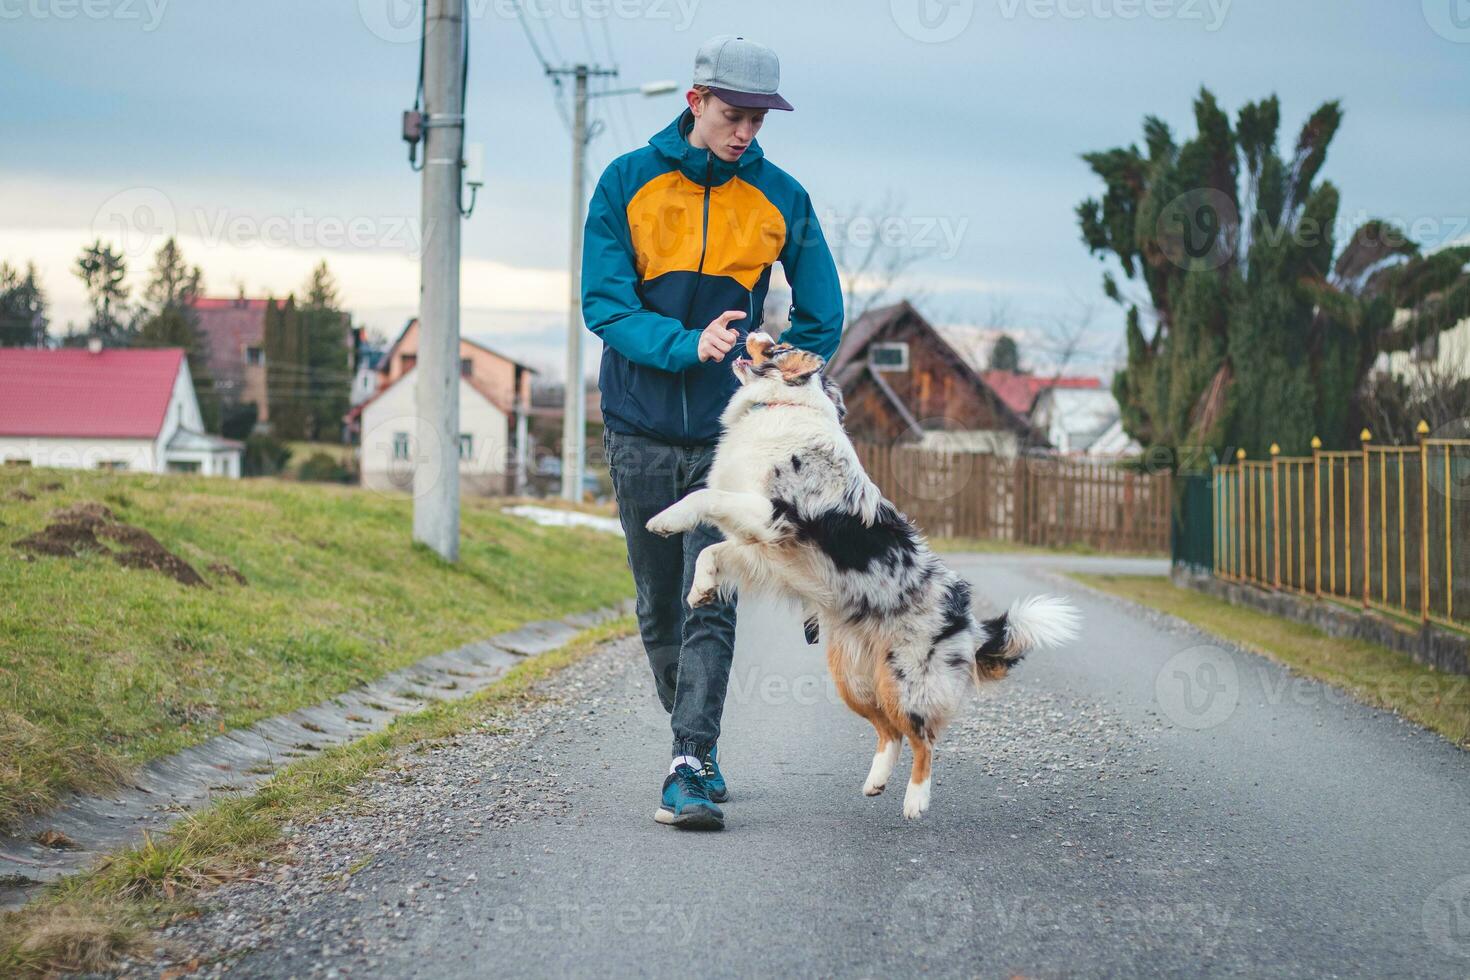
x=717, y=338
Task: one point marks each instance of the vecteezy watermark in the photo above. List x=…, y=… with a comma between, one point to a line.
x=932, y=21
x=139, y=219
x=1446, y=917
x=1199, y=229
x=1448, y=462
x=943, y=910
x=675, y=922
x=1198, y=688
x=1210, y=13
x=941, y=234
x=401, y=21
x=1450, y=19
x=148, y=14
x=1203, y=924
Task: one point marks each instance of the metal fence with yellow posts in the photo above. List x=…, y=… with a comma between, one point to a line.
x=1387, y=527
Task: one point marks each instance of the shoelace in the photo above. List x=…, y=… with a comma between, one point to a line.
x=691, y=783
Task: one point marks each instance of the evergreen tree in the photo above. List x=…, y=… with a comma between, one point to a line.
x=1005, y=355
x=22, y=307
x=287, y=377
x=328, y=339
x=1256, y=334
x=171, y=321
x=321, y=289
x=103, y=272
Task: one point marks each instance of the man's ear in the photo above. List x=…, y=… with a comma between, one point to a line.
x=797, y=366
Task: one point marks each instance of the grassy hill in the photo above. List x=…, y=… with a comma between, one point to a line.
x=144, y=613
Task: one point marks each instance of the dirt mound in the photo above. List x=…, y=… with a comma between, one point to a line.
x=61, y=539
x=78, y=528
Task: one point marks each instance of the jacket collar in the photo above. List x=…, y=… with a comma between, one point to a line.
x=672, y=145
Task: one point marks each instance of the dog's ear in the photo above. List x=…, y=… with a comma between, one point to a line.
x=758, y=346
x=833, y=391
x=799, y=365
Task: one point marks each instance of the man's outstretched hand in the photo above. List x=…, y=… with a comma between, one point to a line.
x=717, y=338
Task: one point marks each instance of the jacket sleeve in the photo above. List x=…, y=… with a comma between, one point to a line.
x=816, y=292
x=611, y=307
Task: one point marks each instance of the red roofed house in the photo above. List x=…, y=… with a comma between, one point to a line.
x=233, y=332
x=494, y=408
x=90, y=408
x=1020, y=391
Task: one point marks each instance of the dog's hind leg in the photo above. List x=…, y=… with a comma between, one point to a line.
x=890, y=742
x=916, y=797
x=921, y=733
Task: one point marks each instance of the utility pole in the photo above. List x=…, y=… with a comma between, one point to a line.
x=574, y=410
x=436, y=470
x=574, y=405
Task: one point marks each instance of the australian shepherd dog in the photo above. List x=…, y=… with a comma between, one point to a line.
x=802, y=520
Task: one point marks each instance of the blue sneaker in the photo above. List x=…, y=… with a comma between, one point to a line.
x=714, y=780
x=686, y=802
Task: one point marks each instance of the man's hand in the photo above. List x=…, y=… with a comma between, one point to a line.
x=717, y=339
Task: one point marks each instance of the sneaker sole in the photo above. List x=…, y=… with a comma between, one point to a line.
x=697, y=820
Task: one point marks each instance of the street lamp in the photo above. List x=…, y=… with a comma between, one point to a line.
x=574, y=410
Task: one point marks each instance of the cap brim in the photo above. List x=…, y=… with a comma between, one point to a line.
x=751, y=100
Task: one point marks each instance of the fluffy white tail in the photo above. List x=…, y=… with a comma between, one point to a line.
x=1036, y=622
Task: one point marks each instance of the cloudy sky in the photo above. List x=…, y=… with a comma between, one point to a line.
x=265, y=134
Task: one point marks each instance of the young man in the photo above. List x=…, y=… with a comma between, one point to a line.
x=681, y=235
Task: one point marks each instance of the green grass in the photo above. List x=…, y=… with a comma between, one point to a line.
x=103, y=667
x=1371, y=673
x=302, y=451
x=86, y=922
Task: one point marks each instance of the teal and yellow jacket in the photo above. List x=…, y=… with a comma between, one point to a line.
x=676, y=236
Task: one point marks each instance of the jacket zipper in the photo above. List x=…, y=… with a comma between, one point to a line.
x=709, y=167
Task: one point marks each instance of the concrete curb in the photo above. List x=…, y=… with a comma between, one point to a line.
x=1430, y=645
x=166, y=789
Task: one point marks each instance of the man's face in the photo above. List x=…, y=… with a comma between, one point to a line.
x=726, y=129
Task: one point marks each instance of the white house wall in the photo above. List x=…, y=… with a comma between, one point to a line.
x=395, y=411
x=138, y=455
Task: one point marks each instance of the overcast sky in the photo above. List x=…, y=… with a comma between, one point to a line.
x=266, y=133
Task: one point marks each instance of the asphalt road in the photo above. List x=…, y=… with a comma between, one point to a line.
x=1146, y=803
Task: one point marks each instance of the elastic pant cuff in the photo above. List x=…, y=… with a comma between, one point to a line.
x=700, y=750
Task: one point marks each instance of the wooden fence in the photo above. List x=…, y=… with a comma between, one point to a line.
x=1384, y=526
x=1042, y=501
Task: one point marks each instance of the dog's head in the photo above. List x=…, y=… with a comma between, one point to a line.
x=774, y=373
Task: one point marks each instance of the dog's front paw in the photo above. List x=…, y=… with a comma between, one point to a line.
x=666, y=523
x=871, y=788
x=916, y=800
x=700, y=596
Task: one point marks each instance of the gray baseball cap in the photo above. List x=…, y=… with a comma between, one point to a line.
x=742, y=73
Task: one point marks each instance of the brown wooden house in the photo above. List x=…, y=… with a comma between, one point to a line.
x=904, y=382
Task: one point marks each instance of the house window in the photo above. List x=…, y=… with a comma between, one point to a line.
x=255, y=356
x=889, y=357
x=400, y=445
x=466, y=368
x=466, y=446
x=112, y=465
x=183, y=466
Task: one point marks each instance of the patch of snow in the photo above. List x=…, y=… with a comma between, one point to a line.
x=550, y=517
